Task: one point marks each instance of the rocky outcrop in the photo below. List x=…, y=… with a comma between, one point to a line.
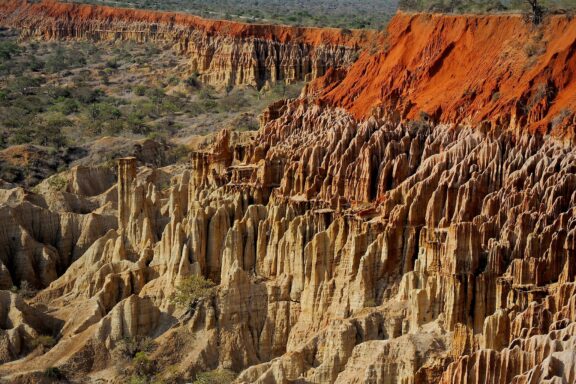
x=223, y=53
x=344, y=252
x=381, y=251
x=22, y=327
x=37, y=244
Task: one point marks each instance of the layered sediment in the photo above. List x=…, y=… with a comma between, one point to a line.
x=221, y=53
x=496, y=69
x=345, y=250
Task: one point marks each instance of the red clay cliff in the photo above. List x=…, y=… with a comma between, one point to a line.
x=467, y=68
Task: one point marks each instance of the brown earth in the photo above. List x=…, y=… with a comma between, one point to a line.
x=346, y=247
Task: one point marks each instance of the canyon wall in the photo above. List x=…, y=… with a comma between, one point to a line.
x=223, y=53
x=346, y=246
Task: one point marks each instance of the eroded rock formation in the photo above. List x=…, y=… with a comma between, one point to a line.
x=385, y=250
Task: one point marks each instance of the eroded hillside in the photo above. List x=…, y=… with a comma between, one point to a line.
x=223, y=53
x=494, y=69
x=345, y=246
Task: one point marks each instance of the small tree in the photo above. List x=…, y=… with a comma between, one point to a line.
x=217, y=376
x=537, y=11
x=192, y=290
x=129, y=348
x=143, y=366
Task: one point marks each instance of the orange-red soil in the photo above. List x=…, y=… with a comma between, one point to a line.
x=476, y=68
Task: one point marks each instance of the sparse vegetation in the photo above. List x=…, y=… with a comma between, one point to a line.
x=217, y=376
x=57, y=182
x=355, y=14
x=26, y=290
x=168, y=375
x=57, y=97
x=143, y=366
x=191, y=290
x=536, y=46
x=541, y=92
x=535, y=7
x=54, y=373
x=560, y=117
x=370, y=303
x=45, y=341
x=129, y=348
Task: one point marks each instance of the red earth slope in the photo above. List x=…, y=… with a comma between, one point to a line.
x=466, y=68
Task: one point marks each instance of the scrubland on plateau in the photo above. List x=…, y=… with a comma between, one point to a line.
x=191, y=200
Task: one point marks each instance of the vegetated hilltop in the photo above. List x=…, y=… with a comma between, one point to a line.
x=69, y=14
x=371, y=14
x=262, y=53
x=392, y=225
x=481, y=6
x=65, y=103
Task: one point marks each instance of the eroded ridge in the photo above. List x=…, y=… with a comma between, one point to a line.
x=221, y=53
x=344, y=252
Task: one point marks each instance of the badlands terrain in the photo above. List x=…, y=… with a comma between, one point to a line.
x=410, y=217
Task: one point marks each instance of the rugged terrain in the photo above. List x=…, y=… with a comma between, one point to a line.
x=223, y=53
x=85, y=102
x=409, y=219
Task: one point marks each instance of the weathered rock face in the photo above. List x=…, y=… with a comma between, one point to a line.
x=37, y=244
x=372, y=252
x=223, y=53
x=382, y=251
x=472, y=69
x=21, y=325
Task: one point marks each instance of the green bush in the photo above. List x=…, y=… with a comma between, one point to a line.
x=155, y=94
x=234, y=102
x=103, y=111
x=140, y=90
x=43, y=340
x=54, y=373
x=57, y=183
x=191, y=290
x=217, y=376
x=134, y=379
x=8, y=49
x=24, y=85
x=87, y=95
x=66, y=107
x=112, y=64
x=128, y=348
x=31, y=104
x=143, y=366
x=21, y=136
x=62, y=58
